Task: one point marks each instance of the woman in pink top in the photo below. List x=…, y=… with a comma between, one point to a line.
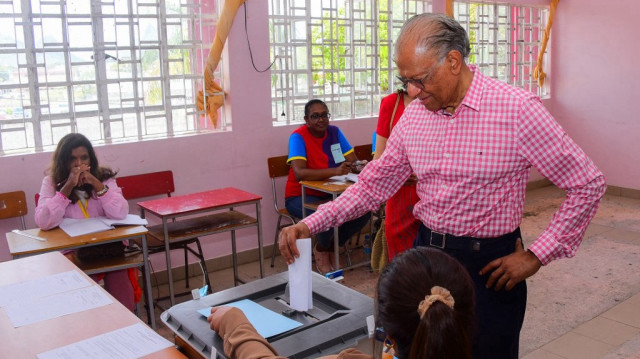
x=78, y=187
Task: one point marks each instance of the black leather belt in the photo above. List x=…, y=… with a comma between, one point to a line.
x=449, y=241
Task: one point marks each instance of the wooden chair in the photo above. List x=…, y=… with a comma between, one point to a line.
x=278, y=167
x=161, y=183
x=363, y=152
x=13, y=205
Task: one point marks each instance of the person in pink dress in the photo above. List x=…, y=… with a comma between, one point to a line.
x=77, y=187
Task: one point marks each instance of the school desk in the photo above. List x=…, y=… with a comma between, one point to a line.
x=201, y=214
x=30, y=340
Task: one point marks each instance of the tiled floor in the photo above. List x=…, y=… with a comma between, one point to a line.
x=583, y=307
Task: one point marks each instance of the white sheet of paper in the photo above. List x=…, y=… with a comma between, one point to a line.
x=134, y=341
x=300, y=289
x=77, y=227
x=42, y=287
x=57, y=305
x=353, y=177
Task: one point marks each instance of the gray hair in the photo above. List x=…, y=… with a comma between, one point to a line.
x=437, y=32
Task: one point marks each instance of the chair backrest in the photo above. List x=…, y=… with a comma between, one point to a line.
x=147, y=184
x=12, y=205
x=278, y=167
x=363, y=152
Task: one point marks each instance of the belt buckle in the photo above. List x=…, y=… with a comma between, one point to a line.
x=444, y=240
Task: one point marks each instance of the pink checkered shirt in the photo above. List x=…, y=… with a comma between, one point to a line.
x=473, y=168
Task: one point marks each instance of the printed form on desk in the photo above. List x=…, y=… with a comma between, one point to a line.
x=134, y=341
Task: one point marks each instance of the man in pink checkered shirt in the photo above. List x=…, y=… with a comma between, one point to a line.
x=471, y=140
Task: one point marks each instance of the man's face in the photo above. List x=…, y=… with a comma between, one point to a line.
x=318, y=118
x=425, y=76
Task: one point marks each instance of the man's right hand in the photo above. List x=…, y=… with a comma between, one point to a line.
x=287, y=241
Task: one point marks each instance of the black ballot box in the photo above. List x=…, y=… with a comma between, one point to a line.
x=338, y=319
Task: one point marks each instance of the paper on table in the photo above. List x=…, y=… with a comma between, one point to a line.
x=267, y=322
x=300, y=290
x=42, y=287
x=352, y=177
x=54, y=306
x=134, y=341
x=77, y=227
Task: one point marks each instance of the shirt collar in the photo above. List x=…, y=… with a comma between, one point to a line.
x=473, y=96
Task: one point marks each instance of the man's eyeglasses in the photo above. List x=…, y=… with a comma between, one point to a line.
x=317, y=116
x=418, y=83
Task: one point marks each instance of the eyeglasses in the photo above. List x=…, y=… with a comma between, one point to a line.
x=317, y=116
x=418, y=83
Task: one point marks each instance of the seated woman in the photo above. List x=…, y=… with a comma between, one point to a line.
x=318, y=151
x=425, y=305
x=79, y=188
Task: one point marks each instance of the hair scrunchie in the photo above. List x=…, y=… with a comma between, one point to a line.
x=437, y=294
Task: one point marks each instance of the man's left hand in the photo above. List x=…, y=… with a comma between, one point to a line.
x=510, y=270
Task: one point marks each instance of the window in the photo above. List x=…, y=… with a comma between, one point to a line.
x=335, y=50
x=113, y=70
x=505, y=40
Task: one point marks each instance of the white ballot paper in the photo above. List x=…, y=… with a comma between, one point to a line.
x=134, y=341
x=42, y=287
x=57, y=305
x=300, y=289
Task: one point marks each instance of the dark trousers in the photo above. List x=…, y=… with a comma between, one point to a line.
x=499, y=314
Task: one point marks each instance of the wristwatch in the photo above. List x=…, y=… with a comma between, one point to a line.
x=102, y=191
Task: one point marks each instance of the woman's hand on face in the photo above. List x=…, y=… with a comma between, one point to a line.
x=75, y=179
x=87, y=177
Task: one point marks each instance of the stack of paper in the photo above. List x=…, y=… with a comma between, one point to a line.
x=351, y=177
x=77, y=227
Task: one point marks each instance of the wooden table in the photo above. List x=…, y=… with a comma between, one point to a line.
x=332, y=188
x=30, y=340
x=56, y=239
x=201, y=221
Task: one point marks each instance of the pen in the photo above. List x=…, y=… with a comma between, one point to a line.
x=17, y=231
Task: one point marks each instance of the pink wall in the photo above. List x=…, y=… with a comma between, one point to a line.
x=583, y=55
x=594, y=83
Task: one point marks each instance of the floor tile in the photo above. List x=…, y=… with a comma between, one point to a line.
x=626, y=313
x=607, y=331
x=576, y=346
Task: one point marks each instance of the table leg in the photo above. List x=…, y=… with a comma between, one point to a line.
x=260, y=249
x=336, y=241
x=234, y=258
x=147, y=283
x=304, y=200
x=168, y=256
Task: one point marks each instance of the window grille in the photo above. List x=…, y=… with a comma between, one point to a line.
x=335, y=50
x=113, y=70
x=505, y=40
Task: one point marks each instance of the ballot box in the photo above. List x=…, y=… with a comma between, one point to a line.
x=338, y=319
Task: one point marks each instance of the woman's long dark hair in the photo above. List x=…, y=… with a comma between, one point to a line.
x=442, y=332
x=62, y=157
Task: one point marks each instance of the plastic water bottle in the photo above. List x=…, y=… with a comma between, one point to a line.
x=366, y=245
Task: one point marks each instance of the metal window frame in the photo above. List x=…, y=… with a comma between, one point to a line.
x=364, y=15
x=40, y=127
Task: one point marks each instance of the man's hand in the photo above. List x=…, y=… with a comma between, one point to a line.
x=510, y=270
x=287, y=241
